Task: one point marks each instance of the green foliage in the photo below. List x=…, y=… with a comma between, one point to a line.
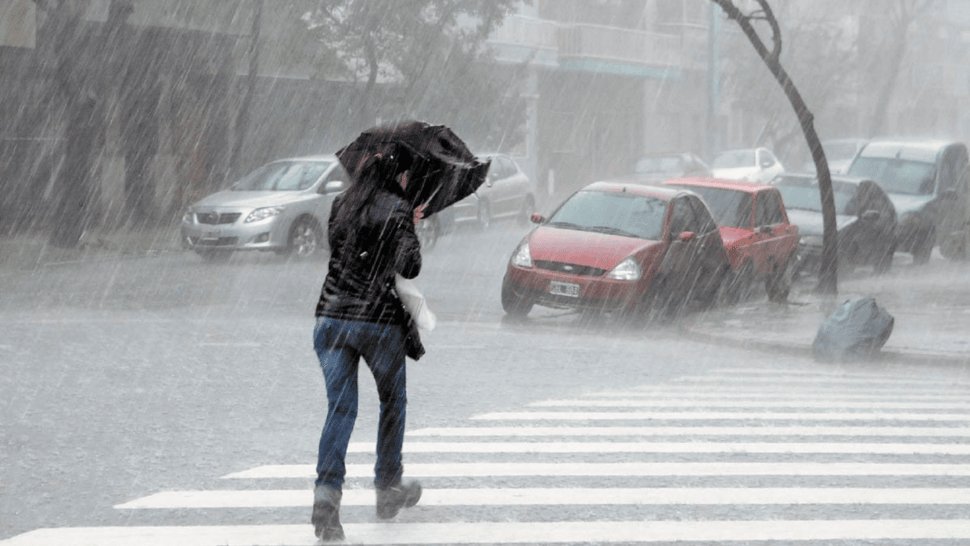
x=429, y=57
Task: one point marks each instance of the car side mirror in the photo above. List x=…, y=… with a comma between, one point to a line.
x=766, y=230
x=686, y=236
x=334, y=186
x=537, y=218
x=870, y=216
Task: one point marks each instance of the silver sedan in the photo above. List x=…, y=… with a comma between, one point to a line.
x=282, y=207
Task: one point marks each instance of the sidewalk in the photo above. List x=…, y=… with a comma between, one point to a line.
x=930, y=304
x=33, y=250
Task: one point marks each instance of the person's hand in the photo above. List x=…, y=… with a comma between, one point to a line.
x=419, y=213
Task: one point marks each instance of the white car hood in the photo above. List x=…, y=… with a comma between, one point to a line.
x=737, y=173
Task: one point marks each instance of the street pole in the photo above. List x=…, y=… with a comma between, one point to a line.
x=712, y=143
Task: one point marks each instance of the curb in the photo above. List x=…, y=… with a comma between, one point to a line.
x=805, y=349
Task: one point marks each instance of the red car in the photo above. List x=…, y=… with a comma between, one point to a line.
x=616, y=246
x=760, y=241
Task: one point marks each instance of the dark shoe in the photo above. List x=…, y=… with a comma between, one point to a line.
x=326, y=513
x=392, y=499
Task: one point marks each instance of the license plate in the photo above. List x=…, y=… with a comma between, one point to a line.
x=557, y=288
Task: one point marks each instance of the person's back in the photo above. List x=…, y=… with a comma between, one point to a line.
x=372, y=238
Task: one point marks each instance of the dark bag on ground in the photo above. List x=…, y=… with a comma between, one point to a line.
x=856, y=330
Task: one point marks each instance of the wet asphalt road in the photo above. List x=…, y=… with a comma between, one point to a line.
x=139, y=375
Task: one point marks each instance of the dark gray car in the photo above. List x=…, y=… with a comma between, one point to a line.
x=864, y=214
x=927, y=181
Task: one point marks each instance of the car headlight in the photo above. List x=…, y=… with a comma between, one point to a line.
x=522, y=256
x=627, y=270
x=262, y=214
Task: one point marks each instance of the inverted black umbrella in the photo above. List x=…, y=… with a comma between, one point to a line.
x=444, y=171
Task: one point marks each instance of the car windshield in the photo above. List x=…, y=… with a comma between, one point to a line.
x=896, y=175
x=283, y=176
x=733, y=159
x=730, y=208
x=659, y=164
x=613, y=212
x=803, y=194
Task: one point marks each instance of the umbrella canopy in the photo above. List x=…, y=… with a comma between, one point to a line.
x=444, y=171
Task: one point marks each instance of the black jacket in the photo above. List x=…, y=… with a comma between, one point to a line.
x=365, y=253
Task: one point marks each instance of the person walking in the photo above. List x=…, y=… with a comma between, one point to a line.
x=372, y=237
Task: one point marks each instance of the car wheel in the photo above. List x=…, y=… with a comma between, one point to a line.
x=659, y=301
x=778, y=284
x=528, y=209
x=512, y=303
x=484, y=215
x=954, y=247
x=428, y=230
x=304, y=240
x=738, y=284
x=924, y=247
x=884, y=262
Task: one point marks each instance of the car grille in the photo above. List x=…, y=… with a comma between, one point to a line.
x=215, y=218
x=572, y=269
x=221, y=241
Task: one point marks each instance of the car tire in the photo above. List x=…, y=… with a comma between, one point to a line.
x=428, y=231
x=512, y=303
x=954, y=247
x=658, y=302
x=778, y=284
x=484, y=215
x=528, y=209
x=305, y=239
x=884, y=262
x=738, y=284
x=923, y=248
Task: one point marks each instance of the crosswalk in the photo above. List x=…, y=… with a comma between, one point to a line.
x=732, y=456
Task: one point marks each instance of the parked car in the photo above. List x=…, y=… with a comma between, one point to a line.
x=759, y=240
x=662, y=166
x=507, y=193
x=927, y=181
x=864, y=214
x=282, y=207
x=616, y=246
x=754, y=164
x=839, y=153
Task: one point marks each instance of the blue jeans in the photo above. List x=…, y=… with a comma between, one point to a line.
x=339, y=345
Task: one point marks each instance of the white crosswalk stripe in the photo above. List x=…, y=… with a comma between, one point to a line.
x=770, y=455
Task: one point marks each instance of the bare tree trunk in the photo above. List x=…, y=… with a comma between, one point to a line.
x=898, y=47
x=242, y=118
x=828, y=272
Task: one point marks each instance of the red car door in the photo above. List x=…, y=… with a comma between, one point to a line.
x=679, y=253
x=777, y=239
